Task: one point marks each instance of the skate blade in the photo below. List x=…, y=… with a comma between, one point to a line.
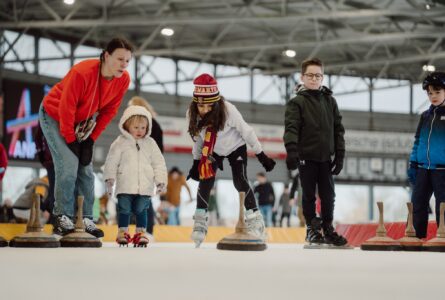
x=313, y=246
x=344, y=247
x=327, y=246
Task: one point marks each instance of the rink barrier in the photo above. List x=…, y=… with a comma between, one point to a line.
x=356, y=234
x=174, y=234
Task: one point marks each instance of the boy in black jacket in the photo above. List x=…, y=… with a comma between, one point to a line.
x=313, y=135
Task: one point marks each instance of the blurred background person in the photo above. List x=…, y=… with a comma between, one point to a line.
x=3, y=166
x=176, y=181
x=285, y=205
x=266, y=197
x=296, y=197
x=44, y=155
x=22, y=206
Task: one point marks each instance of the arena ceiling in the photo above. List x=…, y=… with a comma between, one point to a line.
x=379, y=39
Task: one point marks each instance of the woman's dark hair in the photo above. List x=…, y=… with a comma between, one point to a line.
x=215, y=118
x=116, y=43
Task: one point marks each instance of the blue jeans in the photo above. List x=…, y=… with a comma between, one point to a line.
x=266, y=211
x=132, y=203
x=72, y=179
x=173, y=216
x=427, y=183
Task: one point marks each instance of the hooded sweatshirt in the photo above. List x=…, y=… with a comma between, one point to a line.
x=136, y=165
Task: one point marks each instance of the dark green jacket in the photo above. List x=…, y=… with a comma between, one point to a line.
x=313, y=127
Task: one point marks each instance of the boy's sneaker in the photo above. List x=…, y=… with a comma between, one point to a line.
x=333, y=238
x=313, y=232
x=62, y=225
x=255, y=224
x=200, y=227
x=91, y=228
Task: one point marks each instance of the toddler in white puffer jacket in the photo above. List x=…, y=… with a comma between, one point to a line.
x=136, y=165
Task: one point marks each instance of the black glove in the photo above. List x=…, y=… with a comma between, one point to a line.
x=75, y=148
x=337, y=164
x=86, y=152
x=292, y=160
x=267, y=162
x=194, y=172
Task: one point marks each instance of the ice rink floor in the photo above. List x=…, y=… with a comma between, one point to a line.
x=181, y=272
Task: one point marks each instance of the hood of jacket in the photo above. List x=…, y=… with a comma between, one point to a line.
x=301, y=89
x=135, y=110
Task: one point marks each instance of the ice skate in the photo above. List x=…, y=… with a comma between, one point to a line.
x=200, y=227
x=314, y=238
x=123, y=237
x=332, y=240
x=140, y=238
x=255, y=224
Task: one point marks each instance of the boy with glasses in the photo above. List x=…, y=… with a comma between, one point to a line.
x=314, y=141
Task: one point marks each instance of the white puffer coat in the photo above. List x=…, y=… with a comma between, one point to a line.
x=136, y=166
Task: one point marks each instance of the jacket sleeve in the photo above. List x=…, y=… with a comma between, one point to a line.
x=339, y=131
x=292, y=122
x=73, y=89
x=413, y=156
x=107, y=113
x=158, y=164
x=197, y=147
x=235, y=119
x=113, y=160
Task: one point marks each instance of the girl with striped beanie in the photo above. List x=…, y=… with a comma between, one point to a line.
x=219, y=131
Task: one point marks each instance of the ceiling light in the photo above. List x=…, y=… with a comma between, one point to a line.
x=167, y=31
x=69, y=2
x=429, y=68
x=289, y=53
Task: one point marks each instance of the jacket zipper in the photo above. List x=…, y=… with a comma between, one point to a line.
x=429, y=138
x=139, y=177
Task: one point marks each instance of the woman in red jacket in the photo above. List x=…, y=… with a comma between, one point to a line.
x=72, y=116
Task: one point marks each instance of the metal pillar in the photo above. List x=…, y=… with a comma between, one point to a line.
x=251, y=87
x=137, y=79
x=371, y=202
x=36, y=55
x=176, y=77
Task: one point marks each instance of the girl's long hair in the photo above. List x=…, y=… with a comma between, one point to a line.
x=215, y=118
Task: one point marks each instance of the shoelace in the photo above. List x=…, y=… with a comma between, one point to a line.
x=66, y=222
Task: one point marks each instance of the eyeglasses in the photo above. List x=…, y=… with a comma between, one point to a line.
x=317, y=76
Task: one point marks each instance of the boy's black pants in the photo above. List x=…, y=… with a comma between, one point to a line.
x=315, y=174
x=238, y=164
x=427, y=183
